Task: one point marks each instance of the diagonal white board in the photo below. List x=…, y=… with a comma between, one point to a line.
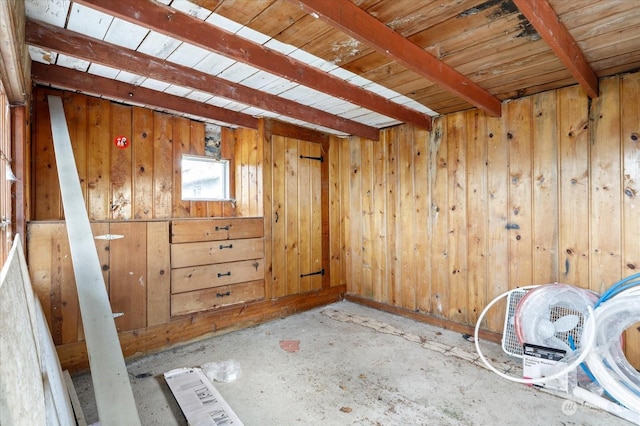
x=114, y=397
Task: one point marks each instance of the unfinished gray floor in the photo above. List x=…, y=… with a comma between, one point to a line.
x=347, y=374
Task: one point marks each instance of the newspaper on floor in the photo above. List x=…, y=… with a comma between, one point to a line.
x=199, y=400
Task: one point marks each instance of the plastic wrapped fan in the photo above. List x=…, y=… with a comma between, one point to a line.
x=553, y=316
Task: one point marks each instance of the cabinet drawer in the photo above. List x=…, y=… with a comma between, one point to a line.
x=220, y=274
x=207, y=252
x=201, y=300
x=183, y=231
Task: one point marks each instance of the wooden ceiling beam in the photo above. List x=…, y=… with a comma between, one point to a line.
x=67, y=78
x=186, y=28
x=14, y=57
x=70, y=43
x=544, y=19
x=357, y=23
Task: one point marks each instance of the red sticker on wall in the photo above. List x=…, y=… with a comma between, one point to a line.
x=121, y=142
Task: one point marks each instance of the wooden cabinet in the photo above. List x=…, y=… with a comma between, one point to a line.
x=134, y=258
x=215, y=263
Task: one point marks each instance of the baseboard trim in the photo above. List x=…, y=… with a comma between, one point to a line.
x=423, y=317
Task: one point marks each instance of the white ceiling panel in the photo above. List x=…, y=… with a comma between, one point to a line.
x=71, y=62
x=127, y=77
x=238, y=72
x=218, y=101
x=153, y=84
x=253, y=35
x=199, y=96
x=191, y=9
x=158, y=45
x=103, y=71
x=178, y=91
x=224, y=23
x=43, y=56
x=88, y=21
x=125, y=34
x=214, y=64
x=278, y=46
x=278, y=86
x=299, y=92
x=259, y=80
x=52, y=12
x=188, y=55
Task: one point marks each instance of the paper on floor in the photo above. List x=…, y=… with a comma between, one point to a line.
x=199, y=400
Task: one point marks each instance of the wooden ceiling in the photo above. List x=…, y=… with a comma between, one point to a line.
x=349, y=67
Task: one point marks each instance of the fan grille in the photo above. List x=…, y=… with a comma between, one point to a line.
x=559, y=311
x=510, y=343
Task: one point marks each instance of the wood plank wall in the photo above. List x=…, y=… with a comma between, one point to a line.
x=6, y=235
x=142, y=181
x=443, y=222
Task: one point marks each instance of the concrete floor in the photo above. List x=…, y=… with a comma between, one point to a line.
x=347, y=373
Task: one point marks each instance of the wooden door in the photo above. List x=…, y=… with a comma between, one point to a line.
x=297, y=259
x=128, y=270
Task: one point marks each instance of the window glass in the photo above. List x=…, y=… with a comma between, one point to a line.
x=204, y=178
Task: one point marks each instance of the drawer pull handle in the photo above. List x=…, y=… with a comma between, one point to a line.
x=224, y=247
x=226, y=274
x=221, y=228
x=228, y=293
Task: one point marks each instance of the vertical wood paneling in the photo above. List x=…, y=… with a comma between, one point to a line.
x=158, y=276
x=379, y=222
x=477, y=214
x=98, y=158
x=422, y=248
x=547, y=192
x=142, y=141
x=406, y=214
x=227, y=149
x=605, y=166
x=291, y=216
x=279, y=261
x=345, y=220
x=269, y=212
x=128, y=284
x=121, y=179
x=196, y=147
x=304, y=215
x=457, y=221
x=439, y=233
x=355, y=220
x=181, y=142
x=497, y=210
x=545, y=189
x=48, y=203
x=75, y=111
x=336, y=242
x=520, y=233
x=573, y=125
x=630, y=135
x=393, y=224
x=366, y=189
x=316, y=229
x=162, y=165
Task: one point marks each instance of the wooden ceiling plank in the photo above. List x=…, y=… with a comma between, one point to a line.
x=77, y=80
x=188, y=29
x=356, y=22
x=541, y=15
x=69, y=43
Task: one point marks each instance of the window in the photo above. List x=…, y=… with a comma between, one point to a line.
x=205, y=178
